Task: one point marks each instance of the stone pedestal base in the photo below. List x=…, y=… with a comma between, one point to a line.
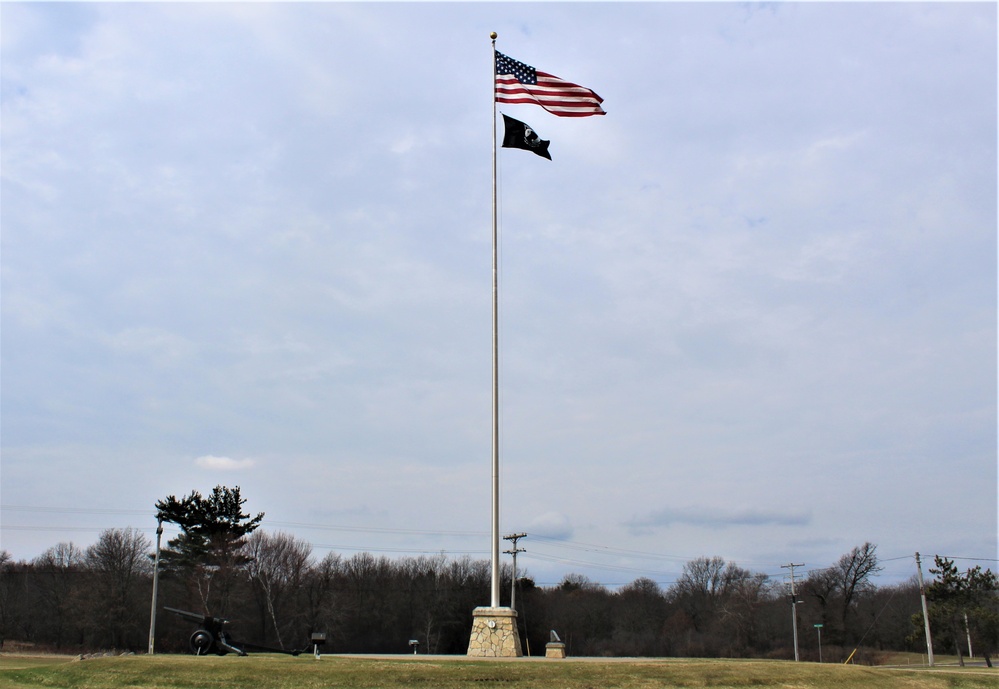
x=555, y=649
x=494, y=634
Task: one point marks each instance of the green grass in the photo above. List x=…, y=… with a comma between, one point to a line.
x=283, y=672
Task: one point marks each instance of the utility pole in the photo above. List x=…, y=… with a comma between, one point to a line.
x=513, y=584
x=794, y=603
x=967, y=632
x=156, y=581
x=926, y=612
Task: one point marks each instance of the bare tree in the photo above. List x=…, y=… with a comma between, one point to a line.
x=119, y=560
x=12, y=595
x=639, y=615
x=580, y=610
x=702, y=586
x=838, y=589
x=823, y=586
x=745, y=595
x=853, y=575
x=428, y=593
x=321, y=610
x=277, y=567
x=366, y=603
x=58, y=572
x=714, y=597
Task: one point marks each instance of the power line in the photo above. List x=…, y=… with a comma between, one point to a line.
x=544, y=553
x=362, y=549
x=73, y=510
x=595, y=565
x=267, y=522
x=590, y=547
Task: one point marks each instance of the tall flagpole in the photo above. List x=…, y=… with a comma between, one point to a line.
x=494, y=631
x=495, y=596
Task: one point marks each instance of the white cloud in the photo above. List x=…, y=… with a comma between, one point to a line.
x=215, y=463
x=554, y=525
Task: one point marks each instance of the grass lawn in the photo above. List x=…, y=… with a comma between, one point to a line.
x=349, y=672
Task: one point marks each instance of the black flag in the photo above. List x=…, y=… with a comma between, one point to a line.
x=520, y=135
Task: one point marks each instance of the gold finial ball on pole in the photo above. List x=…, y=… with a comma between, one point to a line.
x=493, y=35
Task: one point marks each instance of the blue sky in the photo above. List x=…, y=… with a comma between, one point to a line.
x=751, y=312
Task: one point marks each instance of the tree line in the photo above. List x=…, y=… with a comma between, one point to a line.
x=276, y=592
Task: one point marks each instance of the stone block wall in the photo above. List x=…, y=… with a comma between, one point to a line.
x=494, y=634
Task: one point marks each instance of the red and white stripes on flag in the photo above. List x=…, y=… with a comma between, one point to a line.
x=517, y=82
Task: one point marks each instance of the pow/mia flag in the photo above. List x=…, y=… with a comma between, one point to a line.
x=519, y=135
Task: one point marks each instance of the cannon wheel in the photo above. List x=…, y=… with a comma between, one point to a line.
x=202, y=642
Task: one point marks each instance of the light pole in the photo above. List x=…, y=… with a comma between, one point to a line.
x=156, y=581
x=926, y=613
x=818, y=628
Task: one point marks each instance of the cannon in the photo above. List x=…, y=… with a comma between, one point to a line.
x=211, y=636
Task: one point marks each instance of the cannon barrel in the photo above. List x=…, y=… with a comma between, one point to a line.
x=196, y=617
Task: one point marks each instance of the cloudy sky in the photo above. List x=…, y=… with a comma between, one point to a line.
x=751, y=312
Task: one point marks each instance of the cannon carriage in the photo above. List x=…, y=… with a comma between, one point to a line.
x=212, y=636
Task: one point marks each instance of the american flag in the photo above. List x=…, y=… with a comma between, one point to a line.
x=520, y=83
